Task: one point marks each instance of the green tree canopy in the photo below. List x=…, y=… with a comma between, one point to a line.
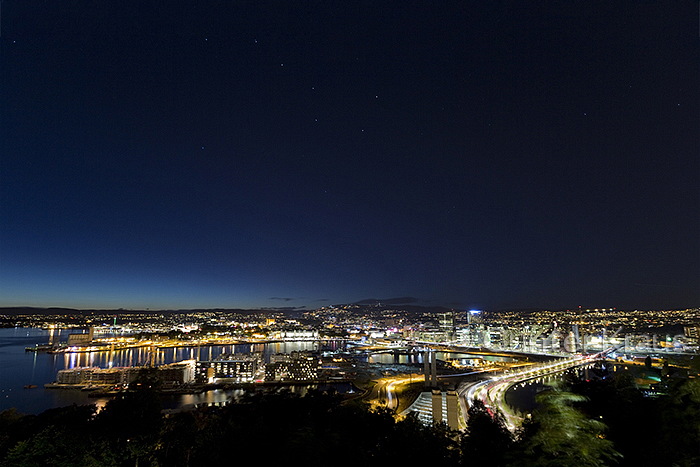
x=559, y=434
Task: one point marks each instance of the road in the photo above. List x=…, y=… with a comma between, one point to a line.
x=492, y=391
x=384, y=392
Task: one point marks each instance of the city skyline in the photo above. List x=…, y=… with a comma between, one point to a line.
x=296, y=156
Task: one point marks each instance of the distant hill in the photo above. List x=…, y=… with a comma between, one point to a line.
x=388, y=301
x=397, y=304
x=27, y=310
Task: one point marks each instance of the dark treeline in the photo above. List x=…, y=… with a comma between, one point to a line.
x=599, y=423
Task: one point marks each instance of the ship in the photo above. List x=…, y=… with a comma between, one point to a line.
x=39, y=348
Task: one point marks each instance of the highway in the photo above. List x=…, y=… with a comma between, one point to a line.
x=492, y=391
x=384, y=392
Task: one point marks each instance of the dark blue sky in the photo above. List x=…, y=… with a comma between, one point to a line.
x=300, y=154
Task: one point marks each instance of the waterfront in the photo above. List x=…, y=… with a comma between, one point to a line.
x=19, y=368
x=522, y=396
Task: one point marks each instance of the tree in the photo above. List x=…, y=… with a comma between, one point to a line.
x=559, y=434
x=57, y=437
x=12, y=429
x=487, y=440
x=178, y=438
x=680, y=419
x=130, y=424
x=628, y=414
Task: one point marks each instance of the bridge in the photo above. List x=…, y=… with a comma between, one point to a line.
x=492, y=391
x=418, y=347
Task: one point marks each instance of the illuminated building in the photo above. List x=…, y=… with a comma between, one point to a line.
x=81, y=339
x=452, y=409
x=298, y=366
x=447, y=325
x=230, y=368
x=171, y=374
x=90, y=376
x=177, y=373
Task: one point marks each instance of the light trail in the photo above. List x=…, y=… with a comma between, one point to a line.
x=390, y=387
x=492, y=391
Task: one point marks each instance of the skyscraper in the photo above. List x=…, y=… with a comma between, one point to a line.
x=447, y=325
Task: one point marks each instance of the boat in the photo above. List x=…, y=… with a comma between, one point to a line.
x=29, y=386
x=39, y=348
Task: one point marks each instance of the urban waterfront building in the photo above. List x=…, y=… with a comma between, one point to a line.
x=171, y=374
x=95, y=376
x=81, y=339
x=296, y=334
x=242, y=368
x=692, y=333
x=297, y=366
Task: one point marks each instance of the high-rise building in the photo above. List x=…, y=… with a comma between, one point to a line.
x=452, y=410
x=447, y=325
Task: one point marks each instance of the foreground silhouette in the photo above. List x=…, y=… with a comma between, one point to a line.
x=590, y=428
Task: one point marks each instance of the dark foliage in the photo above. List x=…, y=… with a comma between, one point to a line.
x=559, y=434
x=263, y=429
x=588, y=425
x=661, y=431
x=487, y=440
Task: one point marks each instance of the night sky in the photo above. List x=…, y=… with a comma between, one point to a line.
x=493, y=155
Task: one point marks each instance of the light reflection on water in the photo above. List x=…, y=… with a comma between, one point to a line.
x=140, y=355
x=19, y=368
x=522, y=396
x=417, y=358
